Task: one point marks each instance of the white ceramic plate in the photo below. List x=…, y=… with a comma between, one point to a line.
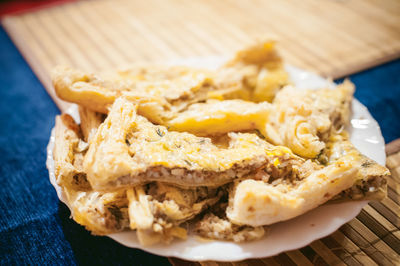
x=284, y=236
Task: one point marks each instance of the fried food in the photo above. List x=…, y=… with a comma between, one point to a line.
x=263, y=73
x=157, y=210
x=160, y=149
x=259, y=203
x=304, y=119
x=100, y=212
x=371, y=179
x=161, y=92
x=90, y=122
x=69, y=150
x=216, y=117
x=128, y=150
x=214, y=227
x=157, y=99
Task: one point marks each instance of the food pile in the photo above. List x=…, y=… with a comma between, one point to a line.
x=224, y=153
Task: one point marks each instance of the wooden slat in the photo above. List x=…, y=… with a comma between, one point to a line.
x=313, y=256
x=381, y=227
x=326, y=253
x=363, y=244
x=338, y=250
x=388, y=254
x=392, y=194
x=393, y=147
x=387, y=213
x=352, y=249
x=298, y=258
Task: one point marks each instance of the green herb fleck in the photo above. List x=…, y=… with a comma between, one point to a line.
x=258, y=133
x=366, y=164
x=159, y=132
x=322, y=158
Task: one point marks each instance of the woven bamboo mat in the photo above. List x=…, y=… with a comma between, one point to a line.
x=372, y=238
x=333, y=38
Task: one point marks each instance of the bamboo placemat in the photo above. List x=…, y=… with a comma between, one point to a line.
x=372, y=238
x=333, y=38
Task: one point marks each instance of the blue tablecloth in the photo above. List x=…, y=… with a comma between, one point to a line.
x=35, y=227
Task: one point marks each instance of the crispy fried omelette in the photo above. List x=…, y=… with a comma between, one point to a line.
x=163, y=150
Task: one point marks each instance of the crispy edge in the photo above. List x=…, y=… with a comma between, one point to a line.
x=258, y=54
x=90, y=122
x=67, y=138
x=67, y=135
x=371, y=174
x=78, y=87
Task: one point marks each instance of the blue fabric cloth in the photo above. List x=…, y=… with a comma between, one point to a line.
x=379, y=90
x=35, y=227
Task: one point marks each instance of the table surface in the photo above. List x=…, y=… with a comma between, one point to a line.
x=34, y=226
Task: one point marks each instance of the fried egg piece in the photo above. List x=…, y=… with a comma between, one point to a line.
x=219, y=117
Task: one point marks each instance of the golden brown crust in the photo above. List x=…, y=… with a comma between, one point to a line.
x=371, y=179
x=67, y=141
x=90, y=122
x=101, y=213
x=130, y=171
x=127, y=149
x=304, y=119
x=161, y=92
x=156, y=98
x=261, y=53
x=259, y=203
x=157, y=210
x=215, y=117
x=82, y=88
